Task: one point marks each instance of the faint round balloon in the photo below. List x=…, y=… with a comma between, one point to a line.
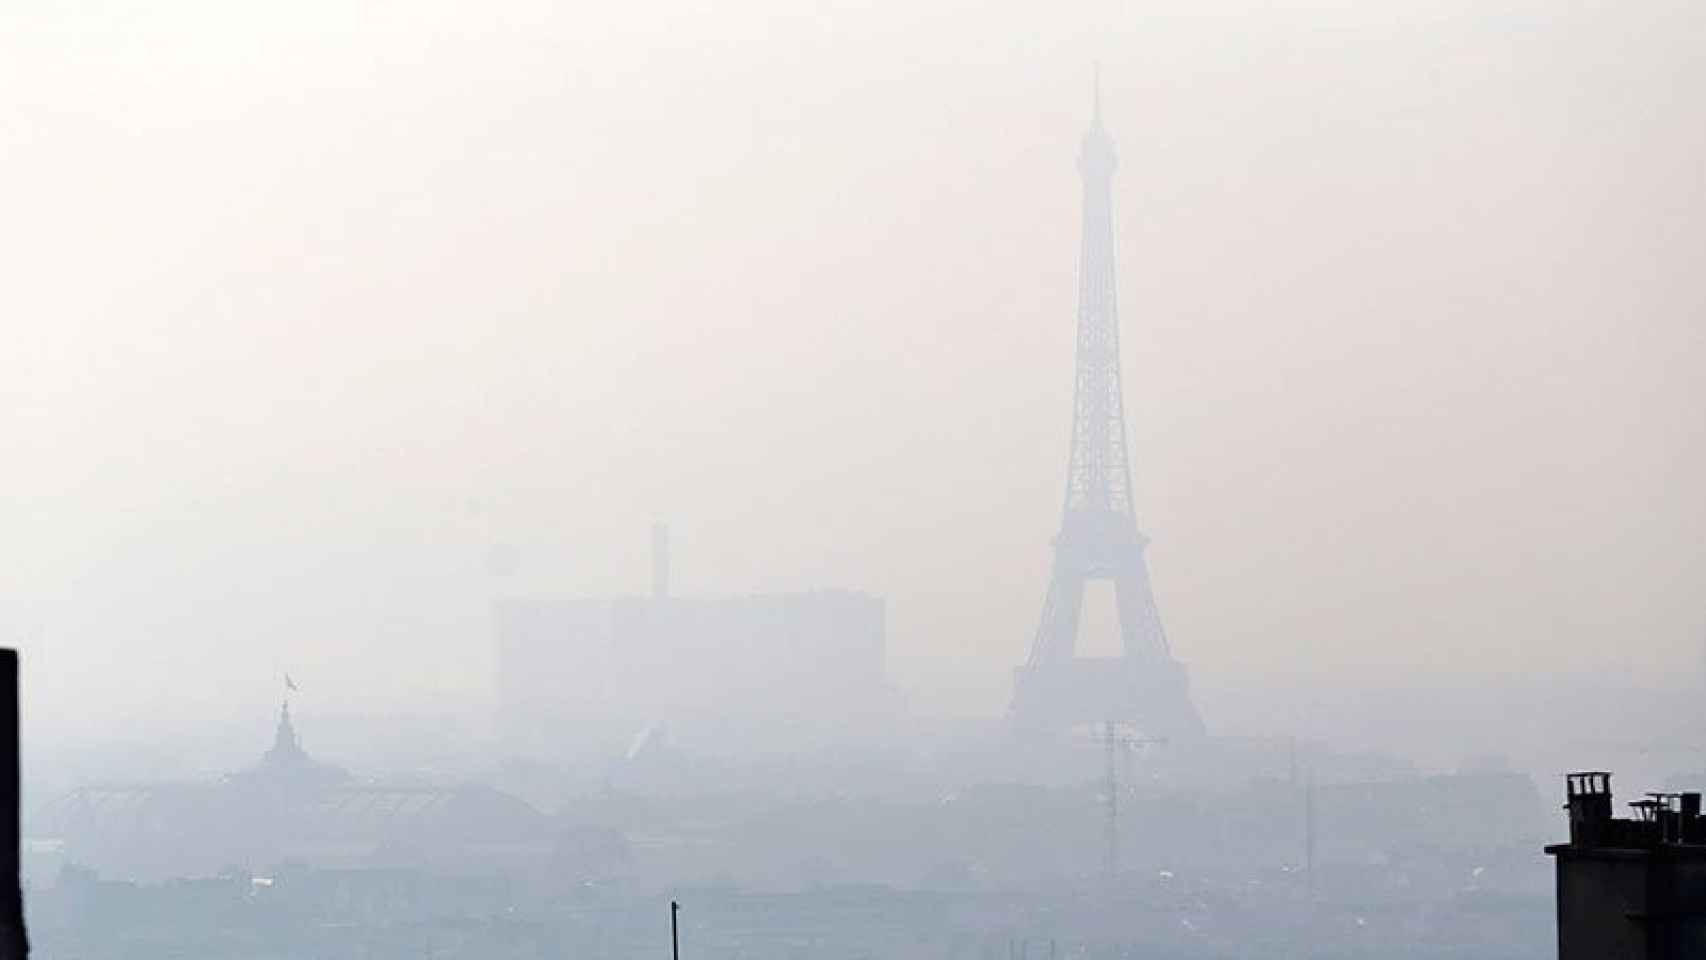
x=502, y=560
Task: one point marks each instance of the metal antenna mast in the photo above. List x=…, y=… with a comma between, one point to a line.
x=1099, y=539
x=1116, y=739
x=1111, y=784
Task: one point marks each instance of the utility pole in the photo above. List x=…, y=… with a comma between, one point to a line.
x=674, y=932
x=1309, y=831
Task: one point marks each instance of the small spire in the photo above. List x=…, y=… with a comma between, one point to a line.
x=284, y=736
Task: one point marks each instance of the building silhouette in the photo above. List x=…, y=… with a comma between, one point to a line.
x=1630, y=888
x=285, y=807
x=808, y=666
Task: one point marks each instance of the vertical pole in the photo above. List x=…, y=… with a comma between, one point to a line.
x=1111, y=785
x=14, y=945
x=1309, y=831
x=674, y=931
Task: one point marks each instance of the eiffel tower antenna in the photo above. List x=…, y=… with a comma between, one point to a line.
x=1099, y=539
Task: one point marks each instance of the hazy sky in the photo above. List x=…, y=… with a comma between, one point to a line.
x=308, y=306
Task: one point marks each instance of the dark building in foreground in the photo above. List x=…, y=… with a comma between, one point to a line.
x=13, y=942
x=1635, y=888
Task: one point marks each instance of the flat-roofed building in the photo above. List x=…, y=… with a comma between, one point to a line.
x=800, y=663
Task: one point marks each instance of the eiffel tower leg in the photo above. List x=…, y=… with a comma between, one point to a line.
x=1156, y=683
x=1057, y=633
x=1141, y=634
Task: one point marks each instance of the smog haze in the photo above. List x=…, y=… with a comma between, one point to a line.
x=329, y=324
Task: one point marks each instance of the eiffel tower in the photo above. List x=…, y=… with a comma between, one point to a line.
x=1099, y=539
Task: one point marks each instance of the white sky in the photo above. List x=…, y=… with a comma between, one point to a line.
x=307, y=306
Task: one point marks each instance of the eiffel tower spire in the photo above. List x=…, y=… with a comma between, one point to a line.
x=1098, y=470
x=1099, y=539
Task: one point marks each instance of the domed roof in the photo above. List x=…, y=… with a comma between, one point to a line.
x=287, y=764
x=285, y=806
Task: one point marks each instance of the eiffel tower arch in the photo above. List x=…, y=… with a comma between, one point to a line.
x=1099, y=539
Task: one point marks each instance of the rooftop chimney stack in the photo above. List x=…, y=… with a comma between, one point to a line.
x=660, y=559
x=1588, y=799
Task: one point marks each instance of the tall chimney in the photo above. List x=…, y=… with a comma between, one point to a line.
x=660, y=559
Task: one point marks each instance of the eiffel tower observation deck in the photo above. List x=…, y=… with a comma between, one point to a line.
x=1099, y=540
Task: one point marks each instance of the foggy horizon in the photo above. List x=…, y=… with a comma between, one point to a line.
x=314, y=310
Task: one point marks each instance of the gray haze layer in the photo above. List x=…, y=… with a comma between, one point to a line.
x=324, y=324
